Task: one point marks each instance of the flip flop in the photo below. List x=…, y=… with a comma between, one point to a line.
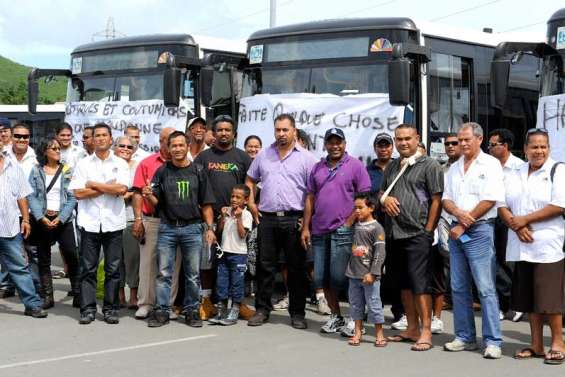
x=380, y=343
x=530, y=353
x=554, y=360
x=428, y=347
x=399, y=339
x=354, y=341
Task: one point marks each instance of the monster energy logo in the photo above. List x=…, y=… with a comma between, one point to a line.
x=182, y=188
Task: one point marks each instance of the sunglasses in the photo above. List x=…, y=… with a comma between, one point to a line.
x=130, y=147
x=492, y=145
x=451, y=143
x=21, y=136
x=536, y=131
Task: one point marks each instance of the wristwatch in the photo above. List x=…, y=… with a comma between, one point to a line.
x=207, y=227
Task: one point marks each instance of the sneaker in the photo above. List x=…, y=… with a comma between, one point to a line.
x=401, y=324
x=323, y=307
x=36, y=312
x=492, y=352
x=437, y=325
x=158, y=318
x=175, y=313
x=348, y=330
x=517, y=316
x=282, y=304
x=221, y=315
x=258, y=319
x=207, y=309
x=143, y=312
x=458, y=345
x=333, y=325
x=193, y=318
x=231, y=318
x=111, y=317
x=501, y=315
x=86, y=318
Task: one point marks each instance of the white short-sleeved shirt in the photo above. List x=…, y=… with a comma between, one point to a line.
x=104, y=213
x=139, y=154
x=28, y=161
x=72, y=155
x=14, y=186
x=512, y=163
x=526, y=194
x=231, y=242
x=482, y=181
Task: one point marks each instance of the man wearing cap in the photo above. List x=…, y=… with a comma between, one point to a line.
x=383, y=146
x=196, y=131
x=328, y=210
x=226, y=167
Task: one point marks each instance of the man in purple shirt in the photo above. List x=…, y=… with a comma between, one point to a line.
x=283, y=170
x=332, y=186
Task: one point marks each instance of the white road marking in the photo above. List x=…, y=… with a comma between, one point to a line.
x=79, y=355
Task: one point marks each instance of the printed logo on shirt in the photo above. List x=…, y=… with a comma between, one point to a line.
x=359, y=250
x=223, y=167
x=182, y=189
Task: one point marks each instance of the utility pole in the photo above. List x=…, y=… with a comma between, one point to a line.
x=273, y=13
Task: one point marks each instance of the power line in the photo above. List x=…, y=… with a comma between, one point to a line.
x=371, y=7
x=523, y=27
x=465, y=10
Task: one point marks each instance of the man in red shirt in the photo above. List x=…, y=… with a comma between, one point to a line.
x=146, y=226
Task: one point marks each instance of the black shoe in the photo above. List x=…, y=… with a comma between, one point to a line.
x=36, y=312
x=5, y=293
x=193, y=319
x=258, y=319
x=111, y=317
x=221, y=315
x=86, y=318
x=298, y=322
x=158, y=318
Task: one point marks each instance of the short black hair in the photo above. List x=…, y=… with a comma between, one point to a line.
x=21, y=125
x=102, y=125
x=251, y=137
x=63, y=126
x=176, y=134
x=131, y=126
x=451, y=134
x=88, y=128
x=534, y=132
x=504, y=136
x=287, y=117
x=223, y=118
x=305, y=138
x=244, y=188
x=41, y=150
x=370, y=199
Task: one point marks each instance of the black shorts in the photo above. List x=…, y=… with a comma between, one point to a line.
x=412, y=263
x=439, y=266
x=538, y=287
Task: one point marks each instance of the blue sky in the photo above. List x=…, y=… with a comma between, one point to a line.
x=42, y=34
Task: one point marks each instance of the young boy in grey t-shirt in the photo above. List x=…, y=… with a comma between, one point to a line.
x=364, y=270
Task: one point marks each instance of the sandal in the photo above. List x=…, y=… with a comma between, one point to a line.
x=353, y=341
x=380, y=343
x=528, y=353
x=428, y=346
x=555, y=357
x=399, y=339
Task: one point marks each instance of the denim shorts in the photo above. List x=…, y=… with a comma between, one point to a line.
x=331, y=257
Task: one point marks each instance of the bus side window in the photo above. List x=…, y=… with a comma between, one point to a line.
x=449, y=97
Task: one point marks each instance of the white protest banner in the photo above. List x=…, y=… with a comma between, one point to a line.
x=551, y=116
x=361, y=117
x=149, y=116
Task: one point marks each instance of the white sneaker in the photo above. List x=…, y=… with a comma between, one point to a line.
x=401, y=324
x=517, y=316
x=458, y=345
x=173, y=315
x=348, y=330
x=143, y=312
x=492, y=352
x=323, y=307
x=437, y=325
x=501, y=315
x=333, y=325
x=282, y=304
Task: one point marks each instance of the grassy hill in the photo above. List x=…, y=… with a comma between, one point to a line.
x=13, y=85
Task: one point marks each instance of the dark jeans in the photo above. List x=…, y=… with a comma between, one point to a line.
x=504, y=270
x=111, y=243
x=390, y=289
x=230, y=280
x=281, y=235
x=64, y=234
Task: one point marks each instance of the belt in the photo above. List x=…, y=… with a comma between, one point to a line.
x=479, y=222
x=181, y=223
x=283, y=213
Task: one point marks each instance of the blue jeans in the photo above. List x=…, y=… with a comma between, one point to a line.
x=331, y=256
x=230, y=280
x=33, y=264
x=15, y=264
x=189, y=239
x=361, y=295
x=475, y=261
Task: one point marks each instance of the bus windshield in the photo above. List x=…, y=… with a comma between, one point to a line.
x=335, y=79
x=553, y=81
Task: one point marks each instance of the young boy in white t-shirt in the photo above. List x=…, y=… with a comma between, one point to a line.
x=235, y=222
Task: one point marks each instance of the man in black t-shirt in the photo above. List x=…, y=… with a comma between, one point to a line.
x=182, y=192
x=226, y=167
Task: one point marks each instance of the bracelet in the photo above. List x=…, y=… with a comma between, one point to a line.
x=25, y=221
x=138, y=218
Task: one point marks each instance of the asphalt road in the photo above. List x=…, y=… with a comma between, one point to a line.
x=58, y=346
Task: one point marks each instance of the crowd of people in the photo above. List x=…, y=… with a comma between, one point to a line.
x=196, y=228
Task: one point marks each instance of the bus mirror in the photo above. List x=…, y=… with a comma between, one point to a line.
x=206, y=85
x=500, y=73
x=32, y=91
x=399, y=82
x=171, y=86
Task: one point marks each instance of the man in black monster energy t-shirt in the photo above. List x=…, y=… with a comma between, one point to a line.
x=185, y=199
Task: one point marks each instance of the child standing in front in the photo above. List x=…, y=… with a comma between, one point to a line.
x=364, y=270
x=234, y=223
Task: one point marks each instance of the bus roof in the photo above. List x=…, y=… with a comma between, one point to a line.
x=140, y=40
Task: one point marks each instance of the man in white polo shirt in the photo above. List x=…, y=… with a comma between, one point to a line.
x=473, y=186
x=99, y=183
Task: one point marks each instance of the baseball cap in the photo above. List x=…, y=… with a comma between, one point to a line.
x=5, y=122
x=383, y=136
x=196, y=119
x=334, y=132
